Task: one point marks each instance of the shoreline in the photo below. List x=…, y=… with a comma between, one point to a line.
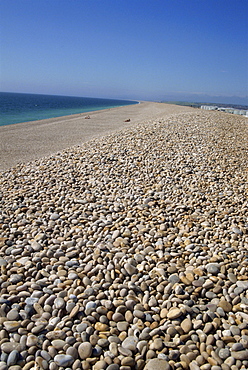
x=28, y=141
x=54, y=109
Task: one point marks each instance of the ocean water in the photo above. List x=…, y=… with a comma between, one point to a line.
x=17, y=108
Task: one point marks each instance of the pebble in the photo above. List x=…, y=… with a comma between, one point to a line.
x=240, y=355
x=13, y=357
x=157, y=364
x=129, y=251
x=8, y=347
x=12, y=326
x=226, y=306
x=186, y=325
x=63, y=360
x=85, y=350
x=174, y=313
x=213, y=268
x=130, y=343
x=58, y=344
x=224, y=353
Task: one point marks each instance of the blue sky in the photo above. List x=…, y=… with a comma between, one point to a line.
x=133, y=49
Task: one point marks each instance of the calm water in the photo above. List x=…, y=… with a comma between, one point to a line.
x=17, y=108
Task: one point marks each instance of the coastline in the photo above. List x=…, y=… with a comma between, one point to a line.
x=24, y=142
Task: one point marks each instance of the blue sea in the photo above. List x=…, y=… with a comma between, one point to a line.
x=17, y=108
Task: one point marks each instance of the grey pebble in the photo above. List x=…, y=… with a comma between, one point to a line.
x=63, y=360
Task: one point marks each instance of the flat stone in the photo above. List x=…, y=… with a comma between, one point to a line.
x=58, y=344
x=12, y=326
x=174, y=313
x=130, y=343
x=194, y=366
x=131, y=270
x=122, y=326
x=3, y=262
x=224, y=353
x=81, y=327
x=232, y=277
x=237, y=347
x=226, y=306
x=158, y=344
x=15, y=278
x=54, y=216
x=8, y=347
x=72, y=351
x=185, y=280
x=85, y=350
x=113, y=367
x=213, y=268
x=56, y=334
x=186, y=325
x=240, y=355
x=3, y=365
x=163, y=313
x=139, y=314
x=41, y=362
x=100, y=365
x=36, y=246
x=23, y=260
x=157, y=364
x=242, y=284
x=101, y=327
x=59, y=303
x=32, y=340
x=63, y=360
x=30, y=301
x=235, y=330
x=13, y=358
x=128, y=361
x=174, y=278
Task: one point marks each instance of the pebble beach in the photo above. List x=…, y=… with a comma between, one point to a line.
x=130, y=250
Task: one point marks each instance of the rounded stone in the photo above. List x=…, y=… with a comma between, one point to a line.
x=100, y=365
x=226, y=306
x=213, y=268
x=130, y=343
x=12, y=326
x=13, y=315
x=240, y=355
x=85, y=350
x=174, y=313
x=186, y=325
x=13, y=358
x=157, y=364
x=224, y=353
x=131, y=270
x=113, y=367
x=63, y=360
x=8, y=347
x=58, y=344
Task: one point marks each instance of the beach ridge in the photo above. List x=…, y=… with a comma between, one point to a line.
x=129, y=251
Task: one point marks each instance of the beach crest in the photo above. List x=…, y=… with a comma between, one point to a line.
x=24, y=142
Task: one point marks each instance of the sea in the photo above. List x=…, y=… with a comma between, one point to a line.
x=18, y=108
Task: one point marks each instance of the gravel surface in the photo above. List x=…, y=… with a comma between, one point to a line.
x=129, y=251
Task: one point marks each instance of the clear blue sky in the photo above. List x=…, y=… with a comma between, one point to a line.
x=136, y=49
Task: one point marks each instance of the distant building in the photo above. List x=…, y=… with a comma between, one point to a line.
x=241, y=112
x=209, y=107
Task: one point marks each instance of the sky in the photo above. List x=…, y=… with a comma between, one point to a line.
x=128, y=49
